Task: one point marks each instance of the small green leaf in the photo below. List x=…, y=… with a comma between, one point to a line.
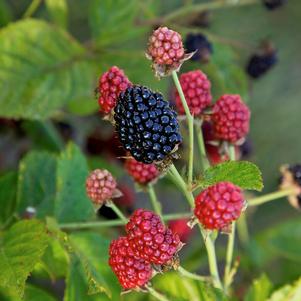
x=58, y=11
x=288, y=292
x=8, y=183
x=21, y=247
x=260, y=289
x=241, y=173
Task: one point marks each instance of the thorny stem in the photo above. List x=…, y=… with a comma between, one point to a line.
x=117, y=211
x=231, y=238
x=201, y=144
x=32, y=8
x=190, y=126
x=272, y=196
x=103, y=224
x=154, y=200
x=188, y=274
x=156, y=294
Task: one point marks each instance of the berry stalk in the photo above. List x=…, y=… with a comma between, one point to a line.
x=34, y=5
x=117, y=211
x=154, y=200
x=190, y=275
x=156, y=294
x=272, y=196
x=190, y=125
x=202, y=149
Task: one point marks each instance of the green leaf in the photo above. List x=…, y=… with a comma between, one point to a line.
x=260, y=289
x=8, y=184
x=288, y=292
x=113, y=20
x=21, y=247
x=83, y=106
x=42, y=68
x=5, y=13
x=71, y=202
x=58, y=11
x=241, y=173
x=36, y=183
x=179, y=288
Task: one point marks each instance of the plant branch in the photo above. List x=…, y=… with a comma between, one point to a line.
x=117, y=211
x=188, y=274
x=34, y=5
x=190, y=126
x=201, y=144
x=156, y=294
x=154, y=200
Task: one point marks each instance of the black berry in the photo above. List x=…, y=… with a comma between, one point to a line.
x=200, y=43
x=146, y=125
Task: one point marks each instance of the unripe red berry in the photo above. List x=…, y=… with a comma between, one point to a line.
x=100, y=186
x=111, y=84
x=150, y=239
x=231, y=118
x=141, y=173
x=197, y=91
x=131, y=271
x=219, y=205
x=166, y=46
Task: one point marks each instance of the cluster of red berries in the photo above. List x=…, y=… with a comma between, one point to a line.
x=148, y=242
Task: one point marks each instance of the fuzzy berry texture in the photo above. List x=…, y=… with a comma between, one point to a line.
x=200, y=44
x=146, y=125
x=131, y=271
x=111, y=83
x=219, y=205
x=165, y=46
x=100, y=186
x=273, y=4
x=150, y=239
x=181, y=228
x=231, y=118
x=197, y=91
x=140, y=172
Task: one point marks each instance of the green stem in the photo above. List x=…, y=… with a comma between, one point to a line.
x=272, y=196
x=190, y=126
x=242, y=229
x=103, y=224
x=117, y=211
x=156, y=294
x=154, y=200
x=229, y=256
x=202, y=148
x=188, y=274
x=32, y=8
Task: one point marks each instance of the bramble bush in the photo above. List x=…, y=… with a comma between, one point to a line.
x=71, y=226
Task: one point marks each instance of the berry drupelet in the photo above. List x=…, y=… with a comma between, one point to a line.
x=150, y=239
x=131, y=271
x=100, y=186
x=111, y=83
x=146, y=125
x=231, y=118
x=219, y=205
x=273, y=4
x=197, y=91
x=142, y=173
x=200, y=44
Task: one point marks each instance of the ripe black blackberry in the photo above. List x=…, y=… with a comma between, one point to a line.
x=146, y=125
x=273, y=4
x=200, y=43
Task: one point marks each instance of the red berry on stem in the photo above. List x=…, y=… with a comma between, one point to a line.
x=231, y=118
x=140, y=172
x=150, y=239
x=131, y=271
x=219, y=205
x=197, y=91
x=111, y=84
x=100, y=186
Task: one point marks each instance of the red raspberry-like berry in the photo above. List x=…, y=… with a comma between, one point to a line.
x=111, y=84
x=166, y=47
x=181, y=228
x=219, y=205
x=100, y=186
x=230, y=118
x=150, y=239
x=197, y=91
x=131, y=271
x=141, y=173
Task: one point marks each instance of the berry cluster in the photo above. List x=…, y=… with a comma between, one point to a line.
x=218, y=205
x=197, y=91
x=146, y=125
x=147, y=242
x=141, y=173
x=111, y=83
